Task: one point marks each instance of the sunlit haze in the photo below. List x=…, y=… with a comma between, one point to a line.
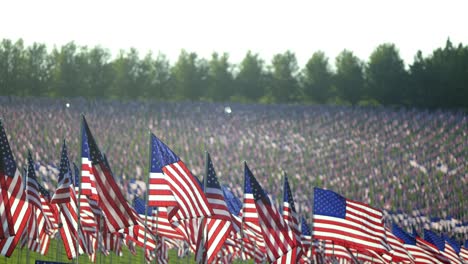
x=264, y=27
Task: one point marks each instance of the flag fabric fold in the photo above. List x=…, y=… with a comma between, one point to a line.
x=349, y=223
x=118, y=214
x=15, y=209
x=281, y=245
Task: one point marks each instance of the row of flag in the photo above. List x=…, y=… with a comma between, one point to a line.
x=90, y=214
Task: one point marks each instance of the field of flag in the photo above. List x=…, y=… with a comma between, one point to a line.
x=89, y=213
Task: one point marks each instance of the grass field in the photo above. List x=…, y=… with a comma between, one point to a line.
x=57, y=253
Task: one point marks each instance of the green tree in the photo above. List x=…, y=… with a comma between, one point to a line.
x=220, y=79
x=250, y=81
x=66, y=75
x=126, y=69
x=12, y=70
x=38, y=70
x=349, y=77
x=386, y=76
x=285, y=85
x=162, y=85
x=97, y=72
x=189, y=75
x=318, y=78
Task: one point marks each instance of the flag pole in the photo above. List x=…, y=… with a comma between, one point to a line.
x=146, y=194
x=205, y=181
x=32, y=213
x=242, y=221
x=79, y=194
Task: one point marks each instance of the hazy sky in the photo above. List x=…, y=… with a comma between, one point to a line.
x=265, y=27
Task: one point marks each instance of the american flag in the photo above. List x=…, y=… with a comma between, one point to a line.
x=398, y=253
x=290, y=215
x=62, y=193
x=162, y=251
x=111, y=200
x=464, y=251
x=177, y=187
x=419, y=254
x=453, y=248
x=306, y=242
x=250, y=221
x=191, y=203
x=280, y=245
x=15, y=202
x=49, y=210
x=335, y=251
x=7, y=169
x=161, y=226
x=159, y=191
x=443, y=246
x=32, y=186
x=346, y=222
x=216, y=228
x=66, y=200
x=88, y=179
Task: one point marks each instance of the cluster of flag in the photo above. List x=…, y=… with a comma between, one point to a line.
x=89, y=212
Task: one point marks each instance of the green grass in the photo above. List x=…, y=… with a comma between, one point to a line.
x=57, y=253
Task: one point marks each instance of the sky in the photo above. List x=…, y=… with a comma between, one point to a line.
x=237, y=26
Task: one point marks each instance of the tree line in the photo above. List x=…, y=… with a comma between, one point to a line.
x=439, y=80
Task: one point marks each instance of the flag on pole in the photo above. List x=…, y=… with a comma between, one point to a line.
x=179, y=187
x=290, y=215
x=118, y=214
x=419, y=254
x=66, y=200
x=251, y=222
x=442, y=245
x=464, y=251
x=15, y=201
x=281, y=246
x=217, y=227
x=350, y=223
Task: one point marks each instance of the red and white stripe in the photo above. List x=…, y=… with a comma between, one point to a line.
x=140, y=234
x=451, y=254
x=68, y=217
x=88, y=180
x=160, y=224
x=398, y=252
x=362, y=228
x=276, y=234
x=62, y=193
x=432, y=250
x=216, y=228
x=251, y=223
x=6, y=229
x=159, y=191
x=162, y=251
x=464, y=254
x=191, y=201
x=332, y=250
x=20, y=212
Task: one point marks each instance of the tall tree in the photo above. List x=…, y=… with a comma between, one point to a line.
x=220, y=79
x=12, y=70
x=285, y=86
x=250, y=81
x=386, y=75
x=126, y=70
x=38, y=70
x=349, y=76
x=67, y=80
x=318, y=78
x=189, y=76
x=98, y=72
x=162, y=82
